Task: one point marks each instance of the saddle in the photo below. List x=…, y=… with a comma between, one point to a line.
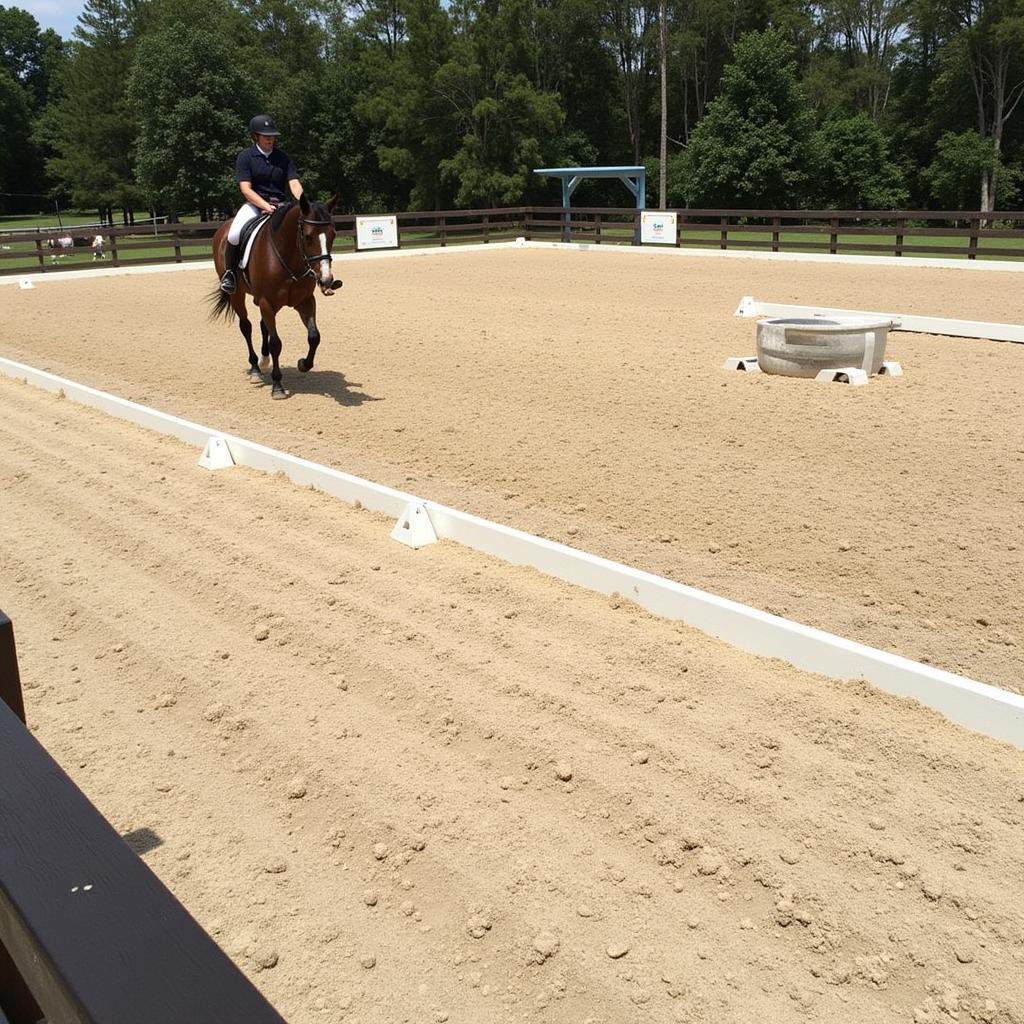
x=250, y=230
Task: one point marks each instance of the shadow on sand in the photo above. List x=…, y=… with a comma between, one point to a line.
x=329, y=383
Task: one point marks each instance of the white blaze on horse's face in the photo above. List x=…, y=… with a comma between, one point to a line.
x=325, y=264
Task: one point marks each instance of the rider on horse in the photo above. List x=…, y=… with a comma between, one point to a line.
x=263, y=173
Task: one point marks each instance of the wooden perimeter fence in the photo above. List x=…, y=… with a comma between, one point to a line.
x=88, y=934
x=950, y=234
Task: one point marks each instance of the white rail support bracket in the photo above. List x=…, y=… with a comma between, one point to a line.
x=890, y=368
x=216, y=454
x=25, y=282
x=414, y=528
x=747, y=307
x=747, y=363
x=844, y=375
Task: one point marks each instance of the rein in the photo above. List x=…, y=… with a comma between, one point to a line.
x=300, y=243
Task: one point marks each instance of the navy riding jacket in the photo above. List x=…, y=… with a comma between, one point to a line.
x=268, y=175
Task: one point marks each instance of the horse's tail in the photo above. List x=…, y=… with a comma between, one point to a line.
x=220, y=305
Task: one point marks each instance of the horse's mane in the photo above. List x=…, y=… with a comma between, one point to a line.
x=278, y=216
x=318, y=210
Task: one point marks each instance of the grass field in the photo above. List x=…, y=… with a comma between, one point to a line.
x=16, y=256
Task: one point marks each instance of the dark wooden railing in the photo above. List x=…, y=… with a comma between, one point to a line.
x=867, y=232
x=956, y=233
x=88, y=934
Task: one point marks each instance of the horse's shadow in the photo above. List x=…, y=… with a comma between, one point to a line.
x=329, y=383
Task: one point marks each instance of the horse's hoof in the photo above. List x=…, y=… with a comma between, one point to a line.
x=278, y=391
x=303, y=366
x=255, y=377
x=265, y=363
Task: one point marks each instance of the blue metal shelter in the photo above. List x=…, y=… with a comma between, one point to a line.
x=634, y=178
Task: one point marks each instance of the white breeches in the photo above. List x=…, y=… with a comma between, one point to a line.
x=244, y=215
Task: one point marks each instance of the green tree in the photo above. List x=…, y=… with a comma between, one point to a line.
x=702, y=38
x=864, y=36
x=505, y=123
x=413, y=120
x=192, y=102
x=751, y=148
x=27, y=53
x=570, y=58
x=979, y=76
x=851, y=166
x=15, y=176
x=28, y=59
x=961, y=159
x=630, y=26
x=90, y=127
x=503, y=140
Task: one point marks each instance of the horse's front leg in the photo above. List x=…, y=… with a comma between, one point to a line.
x=270, y=319
x=307, y=313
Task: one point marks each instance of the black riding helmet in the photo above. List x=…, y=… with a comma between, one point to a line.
x=263, y=124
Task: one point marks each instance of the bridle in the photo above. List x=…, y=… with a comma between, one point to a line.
x=301, y=246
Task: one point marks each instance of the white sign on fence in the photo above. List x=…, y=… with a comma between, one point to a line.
x=377, y=232
x=658, y=226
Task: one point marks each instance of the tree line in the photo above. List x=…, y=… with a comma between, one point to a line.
x=434, y=104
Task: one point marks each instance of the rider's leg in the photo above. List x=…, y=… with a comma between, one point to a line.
x=227, y=280
x=245, y=214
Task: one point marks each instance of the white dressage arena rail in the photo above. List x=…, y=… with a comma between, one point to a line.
x=751, y=307
x=977, y=705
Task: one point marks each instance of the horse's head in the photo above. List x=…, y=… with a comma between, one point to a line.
x=316, y=235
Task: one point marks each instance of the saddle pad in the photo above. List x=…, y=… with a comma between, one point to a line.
x=247, y=242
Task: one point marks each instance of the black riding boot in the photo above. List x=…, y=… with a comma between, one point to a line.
x=227, y=281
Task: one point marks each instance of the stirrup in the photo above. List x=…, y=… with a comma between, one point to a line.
x=227, y=282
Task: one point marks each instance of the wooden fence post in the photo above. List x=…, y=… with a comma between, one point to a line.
x=776, y=225
x=10, y=681
x=723, y=229
x=972, y=241
x=833, y=238
x=901, y=223
x=113, y=248
x=39, y=253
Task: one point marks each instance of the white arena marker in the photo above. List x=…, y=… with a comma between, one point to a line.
x=844, y=375
x=746, y=363
x=26, y=282
x=890, y=368
x=216, y=454
x=414, y=528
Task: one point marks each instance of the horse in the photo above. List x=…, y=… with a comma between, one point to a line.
x=280, y=272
